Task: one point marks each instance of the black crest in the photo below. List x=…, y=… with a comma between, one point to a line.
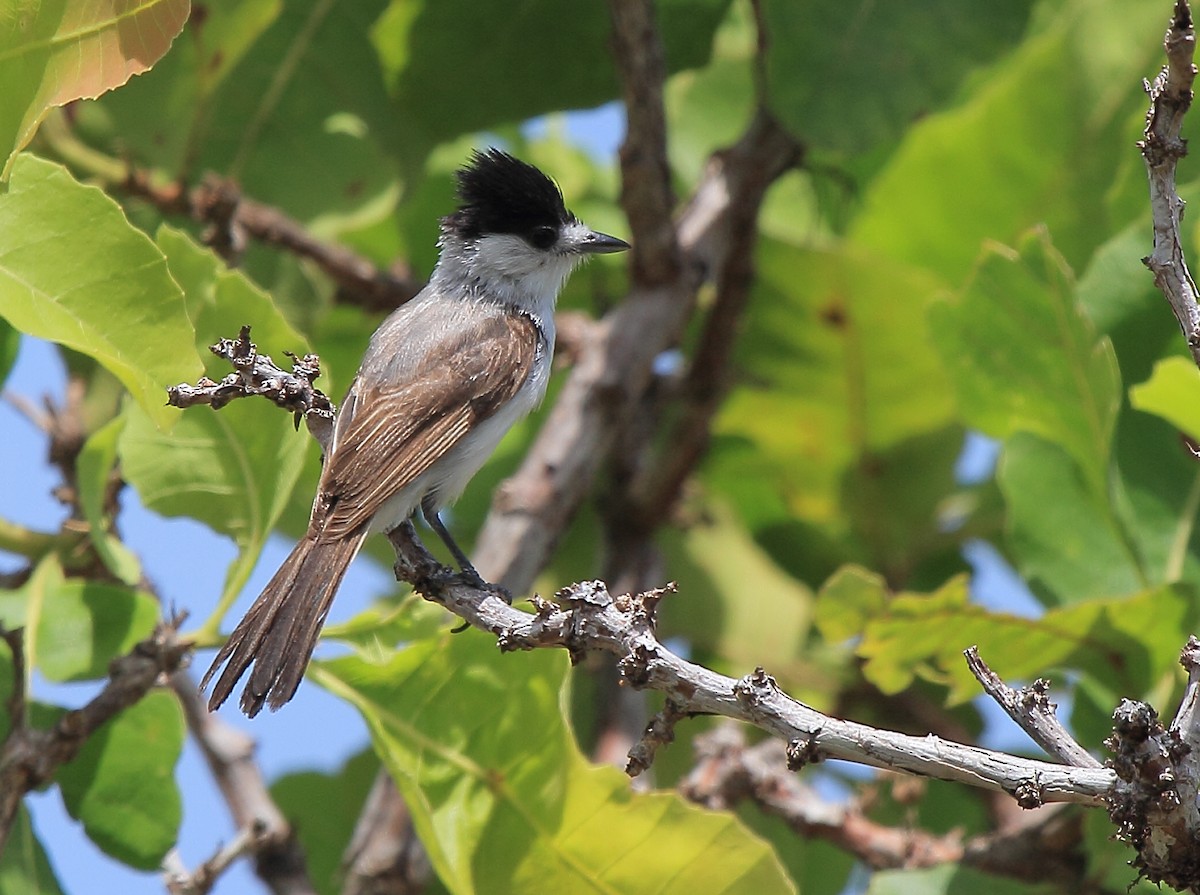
x=502, y=194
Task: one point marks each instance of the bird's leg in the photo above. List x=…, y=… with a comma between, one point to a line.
x=469, y=574
x=413, y=561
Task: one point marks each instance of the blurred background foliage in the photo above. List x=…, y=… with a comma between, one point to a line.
x=952, y=274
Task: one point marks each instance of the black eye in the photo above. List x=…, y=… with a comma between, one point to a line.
x=543, y=237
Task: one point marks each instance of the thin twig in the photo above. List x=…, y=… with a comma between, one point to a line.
x=256, y=374
x=1033, y=711
x=1162, y=147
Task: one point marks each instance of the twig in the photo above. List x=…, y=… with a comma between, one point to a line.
x=200, y=881
x=257, y=374
x=1033, y=711
x=30, y=756
x=1162, y=147
x=279, y=860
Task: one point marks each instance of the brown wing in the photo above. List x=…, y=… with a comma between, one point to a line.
x=396, y=434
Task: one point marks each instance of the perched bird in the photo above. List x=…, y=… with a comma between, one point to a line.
x=443, y=378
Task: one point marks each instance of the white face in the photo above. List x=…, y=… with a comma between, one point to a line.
x=540, y=272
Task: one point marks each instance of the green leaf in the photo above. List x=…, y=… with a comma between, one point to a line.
x=1056, y=162
x=1173, y=393
x=232, y=469
x=847, y=601
x=895, y=62
x=1127, y=644
x=837, y=368
x=75, y=627
x=74, y=271
x=716, y=564
x=323, y=809
x=54, y=52
x=572, y=68
x=315, y=134
x=92, y=470
x=10, y=344
x=121, y=785
x=1069, y=542
x=452, y=720
x=1024, y=358
x=24, y=867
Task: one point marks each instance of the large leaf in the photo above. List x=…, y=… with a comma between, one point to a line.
x=74, y=271
x=1173, y=393
x=121, y=785
x=1070, y=542
x=1024, y=358
x=894, y=62
x=57, y=51
x=24, y=868
x=232, y=469
x=300, y=119
x=717, y=564
x=1015, y=154
x=837, y=375
x=455, y=723
x=572, y=67
x=75, y=627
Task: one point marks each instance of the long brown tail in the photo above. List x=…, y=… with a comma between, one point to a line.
x=279, y=632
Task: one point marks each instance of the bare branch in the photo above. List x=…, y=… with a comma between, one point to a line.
x=1033, y=711
x=384, y=856
x=728, y=772
x=29, y=756
x=645, y=174
x=279, y=860
x=200, y=881
x=257, y=374
x=624, y=627
x=1162, y=147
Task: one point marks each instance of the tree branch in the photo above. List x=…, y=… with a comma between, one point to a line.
x=624, y=627
x=233, y=219
x=1033, y=711
x=29, y=756
x=729, y=772
x=257, y=374
x=1162, y=147
x=646, y=192
x=229, y=753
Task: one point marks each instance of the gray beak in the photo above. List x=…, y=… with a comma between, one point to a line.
x=594, y=243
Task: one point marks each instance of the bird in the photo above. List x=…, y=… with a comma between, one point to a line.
x=443, y=378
